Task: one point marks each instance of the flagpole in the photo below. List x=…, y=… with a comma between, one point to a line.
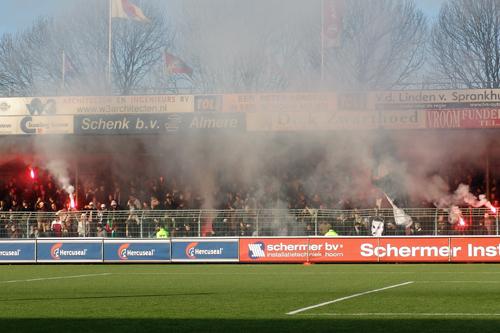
x=109, y=44
x=322, y=40
x=63, y=69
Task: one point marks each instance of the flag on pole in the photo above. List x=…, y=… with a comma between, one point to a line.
x=174, y=65
x=125, y=9
x=333, y=12
x=67, y=68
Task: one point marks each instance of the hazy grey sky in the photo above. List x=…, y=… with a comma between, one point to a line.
x=19, y=14
x=430, y=7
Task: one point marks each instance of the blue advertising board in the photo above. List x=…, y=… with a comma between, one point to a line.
x=17, y=251
x=202, y=249
x=69, y=250
x=136, y=250
x=159, y=123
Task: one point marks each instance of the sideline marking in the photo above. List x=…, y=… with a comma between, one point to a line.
x=456, y=281
x=56, y=278
x=411, y=314
x=348, y=297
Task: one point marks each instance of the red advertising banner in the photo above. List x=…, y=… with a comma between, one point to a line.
x=409, y=249
x=274, y=250
x=335, y=249
x=370, y=249
x=479, y=249
x=463, y=118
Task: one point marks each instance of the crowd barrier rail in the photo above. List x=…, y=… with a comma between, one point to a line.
x=248, y=222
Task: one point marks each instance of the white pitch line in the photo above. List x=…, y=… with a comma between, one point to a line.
x=348, y=297
x=463, y=281
x=410, y=314
x=56, y=278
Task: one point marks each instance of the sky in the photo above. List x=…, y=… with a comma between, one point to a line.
x=19, y=14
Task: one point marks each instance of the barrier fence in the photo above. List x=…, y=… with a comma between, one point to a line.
x=253, y=250
x=252, y=222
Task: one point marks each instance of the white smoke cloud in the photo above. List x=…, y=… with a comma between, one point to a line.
x=59, y=170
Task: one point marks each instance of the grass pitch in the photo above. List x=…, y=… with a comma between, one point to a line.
x=243, y=298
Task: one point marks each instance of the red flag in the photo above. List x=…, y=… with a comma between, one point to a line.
x=333, y=12
x=176, y=66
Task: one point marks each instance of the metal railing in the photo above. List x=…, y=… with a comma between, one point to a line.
x=258, y=222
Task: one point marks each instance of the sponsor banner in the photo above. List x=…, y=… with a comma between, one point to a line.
x=74, y=105
x=463, y=118
x=280, y=102
x=202, y=249
x=339, y=120
x=480, y=249
x=136, y=250
x=159, y=123
x=69, y=250
x=430, y=249
x=333, y=249
x=46, y=125
x=9, y=125
x=435, y=99
x=266, y=102
x=254, y=250
x=36, y=125
x=17, y=251
x=207, y=103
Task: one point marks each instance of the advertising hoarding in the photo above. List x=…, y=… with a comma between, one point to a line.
x=338, y=120
x=160, y=123
x=279, y=102
x=69, y=250
x=476, y=249
x=258, y=250
x=410, y=249
x=335, y=249
x=370, y=249
x=36, y=125
x=81, y=105
x=125, y=250
x=12, y=251
x=463, y=118
x=9, y=126
x=434, y=99
x=205, y=250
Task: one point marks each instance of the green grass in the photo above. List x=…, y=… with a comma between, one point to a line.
x=241, y=298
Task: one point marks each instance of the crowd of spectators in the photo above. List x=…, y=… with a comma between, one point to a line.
x=108, y=207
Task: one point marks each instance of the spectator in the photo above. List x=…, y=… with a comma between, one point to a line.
x=132, y=224
x=489, y=224
x=83, y=225
x=57, y=225
x=13, y=231
x=161, y=232
x=101, y=232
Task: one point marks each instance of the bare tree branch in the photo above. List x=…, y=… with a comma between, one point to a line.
x=466, y=43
